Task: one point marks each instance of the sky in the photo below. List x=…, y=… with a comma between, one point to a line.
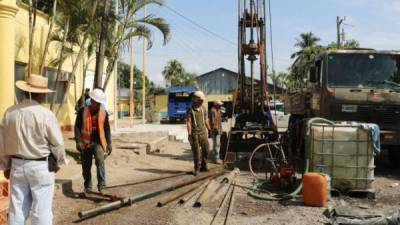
x=374, y=23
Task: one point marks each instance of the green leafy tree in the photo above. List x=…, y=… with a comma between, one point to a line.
x=349, y=44
x=306, y=41
x=124, y=82
x=131, y=26
x=175, y=74
x=304, y=58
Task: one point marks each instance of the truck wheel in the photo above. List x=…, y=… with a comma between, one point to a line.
x=224, y=145
x=394, y=156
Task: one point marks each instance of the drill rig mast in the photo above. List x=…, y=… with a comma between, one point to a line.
x=253, y=122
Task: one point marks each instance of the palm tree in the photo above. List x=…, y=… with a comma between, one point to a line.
x=48, y=39
x=80, y=33
x=304, y=58
x=173, y=73
x=306, y=40
x=131, y=26
x=98, y=75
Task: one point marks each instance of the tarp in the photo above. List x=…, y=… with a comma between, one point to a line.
x=348, y=215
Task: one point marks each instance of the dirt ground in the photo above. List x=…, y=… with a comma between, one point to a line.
x=124, y=165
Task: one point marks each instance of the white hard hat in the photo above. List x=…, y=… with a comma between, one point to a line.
x=200, y=95
x=98, y=96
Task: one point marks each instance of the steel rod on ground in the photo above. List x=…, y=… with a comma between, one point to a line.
x=227, y=179
x=193, y=193
x=137, y=198
x=218, y=210
x=204, y=196
x=146, y=181
x=169, y=198
x=230, y=206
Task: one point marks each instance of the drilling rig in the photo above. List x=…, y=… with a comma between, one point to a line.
x=252, y=121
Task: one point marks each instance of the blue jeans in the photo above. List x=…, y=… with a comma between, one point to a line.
x=216, y=144
x=32, y=189
x=87, y=158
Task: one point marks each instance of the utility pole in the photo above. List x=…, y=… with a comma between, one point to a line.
x=131, y=83
x=339, y=22
x=343, y=35
x=116, y=85
x=144, y=71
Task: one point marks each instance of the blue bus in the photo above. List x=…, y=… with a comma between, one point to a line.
x=179, y=101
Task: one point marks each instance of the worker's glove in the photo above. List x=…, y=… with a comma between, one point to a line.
x=109, y=150
x=80, y=146
x=7, y=174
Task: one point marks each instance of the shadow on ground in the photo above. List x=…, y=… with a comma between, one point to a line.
x=185, y=156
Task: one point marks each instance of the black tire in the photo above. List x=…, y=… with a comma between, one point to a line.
x=224, y=145
x=394, y=156
x=172, y=120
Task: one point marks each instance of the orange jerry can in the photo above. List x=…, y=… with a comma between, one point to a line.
x=314, y=189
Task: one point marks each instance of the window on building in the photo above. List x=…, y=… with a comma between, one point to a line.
x=60, y=86
x=19, y=74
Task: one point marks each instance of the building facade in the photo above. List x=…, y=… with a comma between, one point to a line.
x=14, y=56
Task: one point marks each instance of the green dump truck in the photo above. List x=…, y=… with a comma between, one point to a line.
x=352, y=85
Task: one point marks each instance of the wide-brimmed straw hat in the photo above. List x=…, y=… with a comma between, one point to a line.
x=34, y=84
x=199, y=94
x=99, y=96
x=218, y=102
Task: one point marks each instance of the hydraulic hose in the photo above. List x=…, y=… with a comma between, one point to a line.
x=277, y=197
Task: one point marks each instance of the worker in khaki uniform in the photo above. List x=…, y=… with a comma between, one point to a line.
x=198, y=126
x=216, y=130
x=93, y=138
x=31, y=151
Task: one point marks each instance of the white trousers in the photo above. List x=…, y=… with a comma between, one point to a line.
x=32, y=190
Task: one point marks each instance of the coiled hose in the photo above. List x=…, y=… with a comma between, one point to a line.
x=279, y=197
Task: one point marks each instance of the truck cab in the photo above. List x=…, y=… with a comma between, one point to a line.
x=358, y=85
x=179, y=101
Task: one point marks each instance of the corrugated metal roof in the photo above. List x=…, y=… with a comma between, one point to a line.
x=175, y=89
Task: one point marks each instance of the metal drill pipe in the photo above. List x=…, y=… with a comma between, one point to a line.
x=154, y=179
x=225, y=180
x=173, y=196
x=204, y=196
x=194, y=193
x=146, y=181
x=230, y=206
x=138, y=198
x=218, y=210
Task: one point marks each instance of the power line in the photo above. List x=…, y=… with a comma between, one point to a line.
x=200, y=26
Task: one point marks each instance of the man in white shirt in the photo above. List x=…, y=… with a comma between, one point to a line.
x=31, y=150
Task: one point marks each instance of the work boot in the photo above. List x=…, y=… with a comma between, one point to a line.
x=204, y=168
x=196, y=172
x=217, y=161
x=86, y=193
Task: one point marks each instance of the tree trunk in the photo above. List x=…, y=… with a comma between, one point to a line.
x=132, y=83
x=66, y=30
x=46, y=45
x=78, y=58
x=32, y=13
x=85, y=68
x=98, y=75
